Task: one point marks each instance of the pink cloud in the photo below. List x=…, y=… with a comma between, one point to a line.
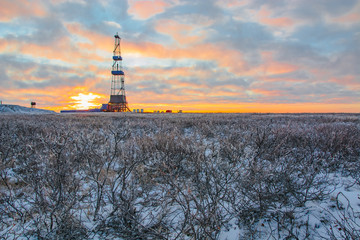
x=273, y=68
x=5, y=46
x=69, y=53
x=144, y=9
x=14, y=8
x=265, y=92
x=97, y=41
x=190, y=85
x=232, y=3
x=184, y=34
x=351, y=17
x=350, y=81
x=270, y=66
x=172, y=72
x=227, y=58
x=64, y=1
x=266, y=17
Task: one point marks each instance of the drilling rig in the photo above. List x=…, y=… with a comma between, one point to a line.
x=117, y=101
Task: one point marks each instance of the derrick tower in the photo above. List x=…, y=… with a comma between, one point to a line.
x=117, y=101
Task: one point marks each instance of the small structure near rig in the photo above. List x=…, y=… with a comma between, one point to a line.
x=138, y=110
x=33, y=104
x=117, y=101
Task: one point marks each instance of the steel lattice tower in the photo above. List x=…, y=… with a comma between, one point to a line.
x=117, y=101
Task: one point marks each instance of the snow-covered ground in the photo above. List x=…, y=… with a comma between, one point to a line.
x=180, y=176
x=16, y=109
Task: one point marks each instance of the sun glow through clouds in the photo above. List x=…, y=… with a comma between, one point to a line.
x=85, y=101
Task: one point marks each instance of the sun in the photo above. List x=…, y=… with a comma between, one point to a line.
x=85, y=101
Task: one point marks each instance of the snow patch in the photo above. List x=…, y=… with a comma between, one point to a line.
x=16, y=109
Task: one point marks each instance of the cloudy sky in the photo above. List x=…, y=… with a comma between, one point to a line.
x=194, y=55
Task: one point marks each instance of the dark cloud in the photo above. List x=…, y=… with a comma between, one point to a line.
x=244, y=36
x=48, y=31
x=86, y=12
x=22, y=73
x=298, y=54
x=324, y=38
x=12, y=64
x=225, y=78
x=292, y=92
x=346, y=63
x=274, y=4
x=206, y=8
x=151, y=85
x=305, y=10
x=316, y=10
x=296, y=75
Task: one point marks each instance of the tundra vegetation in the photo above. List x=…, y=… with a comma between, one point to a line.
x=180, y=176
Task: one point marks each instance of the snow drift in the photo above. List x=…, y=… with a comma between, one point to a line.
x=22, y=110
